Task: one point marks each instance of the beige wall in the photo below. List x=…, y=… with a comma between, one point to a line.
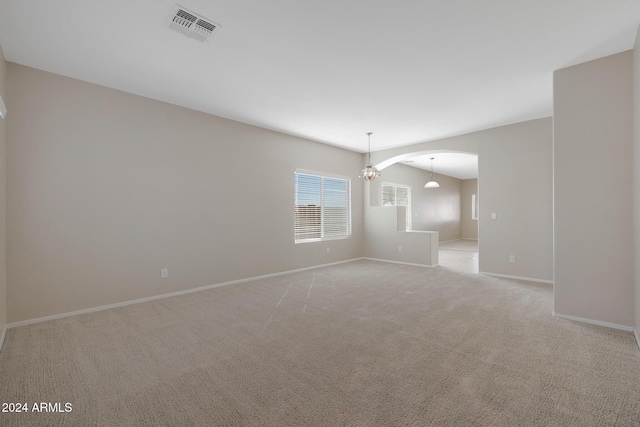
x=438, y=209
x=432, y=209
x=3, y=197
x=636, y=178
x=386, y=238
x=468, y=226
x=107, y=188
x=593, y=190
x=515, y=182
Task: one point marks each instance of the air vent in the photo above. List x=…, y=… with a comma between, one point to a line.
x=191, y=24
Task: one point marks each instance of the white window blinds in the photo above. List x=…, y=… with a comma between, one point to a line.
x=397, y=195
x=322, y=207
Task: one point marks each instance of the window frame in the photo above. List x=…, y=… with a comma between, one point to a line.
x=324, y=227
x=475, y=207
x=395, y=186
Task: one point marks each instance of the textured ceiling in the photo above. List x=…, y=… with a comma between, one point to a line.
x=408, y=71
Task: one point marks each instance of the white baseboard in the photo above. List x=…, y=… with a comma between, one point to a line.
x=635, y=333
x=457, y=240
x=448, y=241
x=172, y=294
x=528, y=279
x=594, y=322
x=4, y=332
x=401, y=262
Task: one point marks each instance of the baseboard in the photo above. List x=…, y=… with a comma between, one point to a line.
x=401, y=262
x=456, y=240
x=4, y=332
x=635, y=333
x=169, y=295
x=448, y=241
x=528, y=279
x=595, y=322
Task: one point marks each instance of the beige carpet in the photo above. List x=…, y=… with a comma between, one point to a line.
x=359, y=344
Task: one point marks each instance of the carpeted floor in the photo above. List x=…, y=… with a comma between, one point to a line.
x=359, y=344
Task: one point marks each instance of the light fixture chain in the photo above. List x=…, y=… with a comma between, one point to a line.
x=369, y=173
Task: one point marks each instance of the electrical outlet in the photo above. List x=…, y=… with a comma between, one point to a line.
x=399, y=248
x=328, y=250
x=164, y=273
x=512, y=258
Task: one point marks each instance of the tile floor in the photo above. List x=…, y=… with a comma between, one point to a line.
x=459, y=255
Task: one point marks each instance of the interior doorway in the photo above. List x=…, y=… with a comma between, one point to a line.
x=450, y=206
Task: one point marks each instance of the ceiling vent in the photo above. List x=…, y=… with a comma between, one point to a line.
x=191, y=24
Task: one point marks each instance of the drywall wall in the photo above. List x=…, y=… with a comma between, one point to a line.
x=432, y=209
x=106, y=188
x=387, y=239
x=636, y=179
x=515, y=182
x=3, y=199
x=468, y=226
x=593, y=195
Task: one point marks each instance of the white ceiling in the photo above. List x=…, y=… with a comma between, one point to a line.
x=457, y=165
x=330, y=71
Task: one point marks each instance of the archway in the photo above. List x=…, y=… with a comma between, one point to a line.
x=450, y=209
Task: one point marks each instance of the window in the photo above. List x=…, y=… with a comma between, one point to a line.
x=397, y=195
x=475, y=207
x=322, y=207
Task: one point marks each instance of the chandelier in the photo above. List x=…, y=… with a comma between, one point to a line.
x=369, y=173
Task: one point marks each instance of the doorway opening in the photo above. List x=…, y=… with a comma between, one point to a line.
x=451, y=208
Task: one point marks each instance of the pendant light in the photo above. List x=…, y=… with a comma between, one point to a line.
x=431, y=183
x=369, y=173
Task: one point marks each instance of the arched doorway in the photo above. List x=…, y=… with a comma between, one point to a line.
x=451, y=209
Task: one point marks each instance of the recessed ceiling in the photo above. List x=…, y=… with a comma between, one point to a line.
x=408, y=71
x=457, y=165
